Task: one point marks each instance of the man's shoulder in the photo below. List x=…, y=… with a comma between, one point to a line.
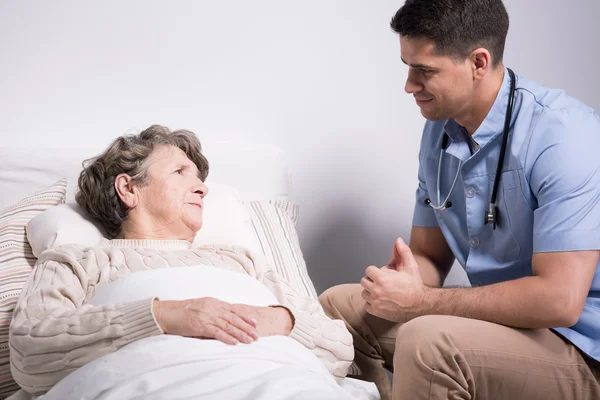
x=550, y=101
x=551, y=116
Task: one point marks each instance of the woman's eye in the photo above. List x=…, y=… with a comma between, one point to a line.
x=179, y=171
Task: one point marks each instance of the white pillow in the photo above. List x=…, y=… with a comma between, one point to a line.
x=275, y=226
x=61, y=225
x=226, y=220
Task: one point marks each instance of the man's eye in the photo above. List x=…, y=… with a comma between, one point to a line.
x=179, y=171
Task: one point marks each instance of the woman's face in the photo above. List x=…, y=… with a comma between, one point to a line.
x=171, y=202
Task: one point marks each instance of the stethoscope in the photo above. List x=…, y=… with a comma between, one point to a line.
x=491, y=216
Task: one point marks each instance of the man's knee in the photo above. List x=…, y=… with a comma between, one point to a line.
x=336, y=300
x=426, y=338
x=427, y=355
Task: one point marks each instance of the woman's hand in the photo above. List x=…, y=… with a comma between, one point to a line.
x=206, y=318
x=270, y=320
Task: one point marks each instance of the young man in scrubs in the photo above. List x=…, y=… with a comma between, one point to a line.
x=529, y=325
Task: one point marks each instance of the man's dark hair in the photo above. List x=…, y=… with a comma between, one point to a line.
x=456, y=27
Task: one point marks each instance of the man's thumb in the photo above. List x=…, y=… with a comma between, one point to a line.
x=401, y=254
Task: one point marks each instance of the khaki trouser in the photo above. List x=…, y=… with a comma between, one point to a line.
x=445, y=357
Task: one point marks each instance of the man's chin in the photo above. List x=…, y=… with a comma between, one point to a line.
x=432, y=115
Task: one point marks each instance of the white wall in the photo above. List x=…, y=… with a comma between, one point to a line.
x=320, y=78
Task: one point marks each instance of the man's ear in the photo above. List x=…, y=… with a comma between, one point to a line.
x=481, y=62
x=126, y=191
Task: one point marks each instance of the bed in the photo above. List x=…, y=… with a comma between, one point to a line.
x=250, y=204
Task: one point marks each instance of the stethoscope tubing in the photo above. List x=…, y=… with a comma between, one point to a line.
x=491, y=215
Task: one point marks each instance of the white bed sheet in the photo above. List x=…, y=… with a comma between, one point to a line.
x=356, y=388
x=170, y=367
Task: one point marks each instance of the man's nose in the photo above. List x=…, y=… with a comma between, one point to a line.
x=412, y=83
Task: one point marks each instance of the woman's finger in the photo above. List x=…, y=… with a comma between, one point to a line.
x=214, y=332
x=242, y=312
x=240, y=323
x=233, y=331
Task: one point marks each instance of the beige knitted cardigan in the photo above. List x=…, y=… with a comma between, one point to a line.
x=54, y=332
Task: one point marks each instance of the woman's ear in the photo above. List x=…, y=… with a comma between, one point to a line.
x=125, y=190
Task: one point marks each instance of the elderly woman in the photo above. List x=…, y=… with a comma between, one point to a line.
x=147, y=191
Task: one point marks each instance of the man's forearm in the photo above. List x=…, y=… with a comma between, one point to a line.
x=429, y=272
x=522, y=303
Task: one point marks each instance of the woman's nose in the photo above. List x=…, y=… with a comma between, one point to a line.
x=201, y=189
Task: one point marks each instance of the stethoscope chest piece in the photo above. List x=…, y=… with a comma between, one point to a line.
x=491, y=217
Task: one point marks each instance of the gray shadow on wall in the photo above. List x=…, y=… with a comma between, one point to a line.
x=344, y=246
x=341, y=250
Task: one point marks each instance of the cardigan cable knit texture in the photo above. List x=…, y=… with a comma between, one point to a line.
x=54, y=331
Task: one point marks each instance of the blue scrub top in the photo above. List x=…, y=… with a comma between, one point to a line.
x=548, y=199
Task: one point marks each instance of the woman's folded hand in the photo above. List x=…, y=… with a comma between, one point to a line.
x=207, y=318
x=271, y=321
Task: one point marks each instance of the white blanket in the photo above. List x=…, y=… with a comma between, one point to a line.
x=183, y=283
x=173, y=367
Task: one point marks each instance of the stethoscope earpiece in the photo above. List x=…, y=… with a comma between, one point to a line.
x=448, y=204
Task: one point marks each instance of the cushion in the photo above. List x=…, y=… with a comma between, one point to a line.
x=226, y=221
x=60, y=225
x=16, y=262
x=275, y=225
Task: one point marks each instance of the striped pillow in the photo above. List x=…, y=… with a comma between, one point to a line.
x=16, y=263
x=275, y=225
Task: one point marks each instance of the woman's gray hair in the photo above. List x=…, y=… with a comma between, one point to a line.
x=128, y=155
